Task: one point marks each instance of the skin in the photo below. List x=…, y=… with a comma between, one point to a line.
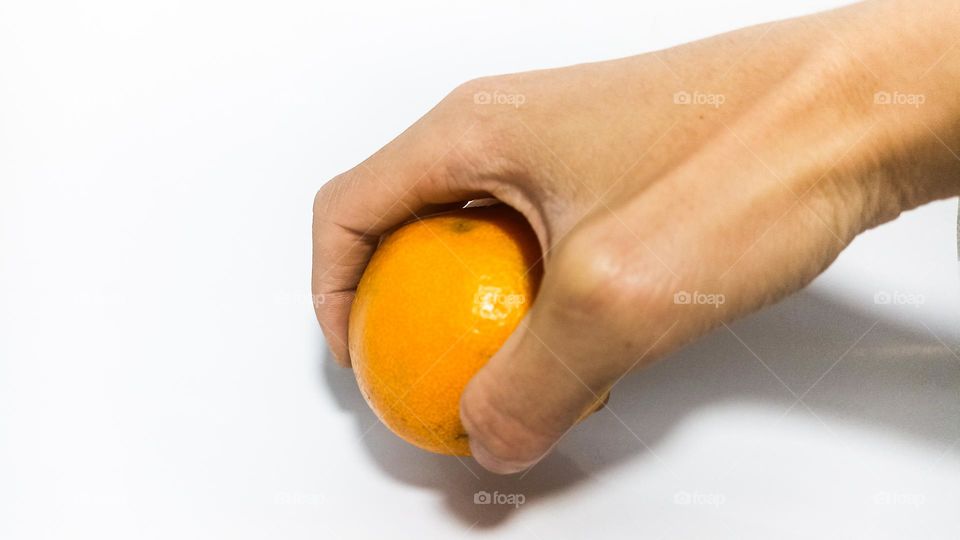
x=784, y=155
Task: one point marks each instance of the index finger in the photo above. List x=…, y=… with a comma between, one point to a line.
x=405, y=179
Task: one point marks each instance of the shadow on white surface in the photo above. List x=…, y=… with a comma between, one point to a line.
x=851, y=367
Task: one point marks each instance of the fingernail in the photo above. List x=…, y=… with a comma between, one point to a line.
x=494, y=464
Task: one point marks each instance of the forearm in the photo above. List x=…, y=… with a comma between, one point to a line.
x=862, y=103
x=910, y=72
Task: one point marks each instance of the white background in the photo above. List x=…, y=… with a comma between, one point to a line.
x=162, y=376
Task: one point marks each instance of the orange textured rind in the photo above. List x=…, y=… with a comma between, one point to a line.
x=437, y=300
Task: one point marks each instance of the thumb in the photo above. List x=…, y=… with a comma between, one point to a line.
x=556, y=368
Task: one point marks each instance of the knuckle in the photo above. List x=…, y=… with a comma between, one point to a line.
x=600, y=279
x=321, y=196
x=490, y=141
x=470, y=91
x=320, y=200
x=590, y=275
x=325, y=197
x=490, y=127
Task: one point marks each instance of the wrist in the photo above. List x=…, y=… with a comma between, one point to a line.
x=906, y=78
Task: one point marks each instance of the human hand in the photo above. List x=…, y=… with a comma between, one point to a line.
x=671, y=192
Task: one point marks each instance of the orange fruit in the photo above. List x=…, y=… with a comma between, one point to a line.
x=437, y=300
